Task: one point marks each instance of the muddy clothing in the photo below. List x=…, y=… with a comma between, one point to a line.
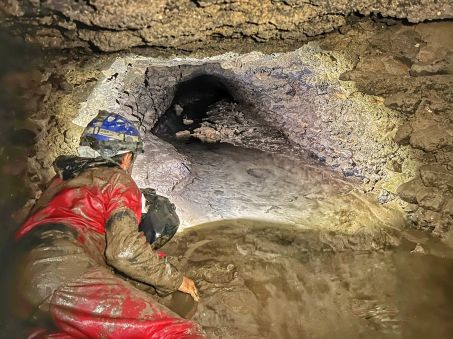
x=80, y=231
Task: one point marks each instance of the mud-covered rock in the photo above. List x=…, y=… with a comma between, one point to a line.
x=420, y=89
x=395, y=166
x=188, y=25
x=403, y=134
x=448, y=206
x=432, y=138
x=440, y=67
x=415, y=192
x=207, y=134
x=167, y=167
x=436, y=175
x=409, y=190
x=403, y=102
x=435, y=55
x=430, y=198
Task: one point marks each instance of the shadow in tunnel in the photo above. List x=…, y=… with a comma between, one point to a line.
x=191, y=103
x=20, y=79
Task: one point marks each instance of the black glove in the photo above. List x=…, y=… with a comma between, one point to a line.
x=161, y=222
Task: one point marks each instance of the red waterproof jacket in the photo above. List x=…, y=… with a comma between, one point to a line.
x=101, y=203
x=85, y=202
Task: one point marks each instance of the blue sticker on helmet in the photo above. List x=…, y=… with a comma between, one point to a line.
x=111, y=126
x=110, y=134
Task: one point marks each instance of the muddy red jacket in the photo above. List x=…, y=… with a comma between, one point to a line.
x=105, y=200
x=69, y=275
x=86, y=202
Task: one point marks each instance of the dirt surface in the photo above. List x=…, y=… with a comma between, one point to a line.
x=191, y=25
x=232, y=182
x=264, y=280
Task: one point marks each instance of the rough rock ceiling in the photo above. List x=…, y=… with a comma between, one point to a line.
x=113, y=25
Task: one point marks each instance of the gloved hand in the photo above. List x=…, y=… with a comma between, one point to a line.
x=188, y=286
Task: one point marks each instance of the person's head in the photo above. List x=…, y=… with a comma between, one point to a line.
x=125, y=160
x=112, y=137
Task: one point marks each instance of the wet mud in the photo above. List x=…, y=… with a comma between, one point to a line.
x=265, y=280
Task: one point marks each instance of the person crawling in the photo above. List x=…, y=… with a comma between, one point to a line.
x=83, y=237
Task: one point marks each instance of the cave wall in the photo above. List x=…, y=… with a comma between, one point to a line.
x=298, y=93
x=411, y=69
x=188, y=25
x=373, y=102
x=144, y=88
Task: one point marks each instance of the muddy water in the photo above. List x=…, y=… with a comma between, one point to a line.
x=343, y=268
x=262, y=280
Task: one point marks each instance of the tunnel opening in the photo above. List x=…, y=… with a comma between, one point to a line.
x=190, y=105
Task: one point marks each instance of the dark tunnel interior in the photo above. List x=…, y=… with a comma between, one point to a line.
x=190, y=104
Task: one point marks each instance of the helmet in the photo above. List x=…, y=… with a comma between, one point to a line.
x=109, y=134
